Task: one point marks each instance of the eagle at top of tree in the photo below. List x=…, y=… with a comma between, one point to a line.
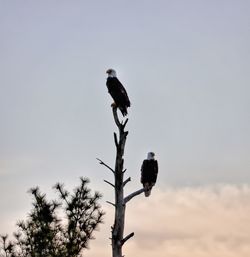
x=118, y=92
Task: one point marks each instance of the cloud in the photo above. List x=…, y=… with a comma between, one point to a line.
x=179, y=222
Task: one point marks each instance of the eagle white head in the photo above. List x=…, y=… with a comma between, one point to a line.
x=111, y=73
x=151, y=156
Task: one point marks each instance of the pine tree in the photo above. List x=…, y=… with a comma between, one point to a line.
x=45, y=234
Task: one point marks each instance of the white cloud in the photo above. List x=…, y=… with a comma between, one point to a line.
x=199, y=222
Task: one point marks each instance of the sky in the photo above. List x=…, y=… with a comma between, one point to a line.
x=185, y=65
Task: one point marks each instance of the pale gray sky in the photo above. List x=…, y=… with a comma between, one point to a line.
x=185, y=65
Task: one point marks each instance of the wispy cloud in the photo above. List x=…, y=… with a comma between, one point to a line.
x=179, y=222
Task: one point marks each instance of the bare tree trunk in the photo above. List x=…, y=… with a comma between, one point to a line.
x=118, y=238
x=118, y=228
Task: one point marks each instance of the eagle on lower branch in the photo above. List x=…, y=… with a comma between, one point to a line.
x=118, y=92
x=149, y=172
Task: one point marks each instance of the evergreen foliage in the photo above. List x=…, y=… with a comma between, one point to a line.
x=44, y=234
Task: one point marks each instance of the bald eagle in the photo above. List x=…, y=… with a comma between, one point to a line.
x=149, y=172
x=118, y=92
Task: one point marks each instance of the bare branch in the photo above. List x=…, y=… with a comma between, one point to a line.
x=126, y=181
x=115, y=138
x=109, y=183
x=102, y=163
x=125, y=123
x=129, y=197
x=117, y=122
x=124, y=171
x=127, y=238
x=110, y=203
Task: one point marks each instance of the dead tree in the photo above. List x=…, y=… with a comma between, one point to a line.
x=117, y=229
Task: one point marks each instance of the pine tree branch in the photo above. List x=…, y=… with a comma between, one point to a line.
x=129, y=197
